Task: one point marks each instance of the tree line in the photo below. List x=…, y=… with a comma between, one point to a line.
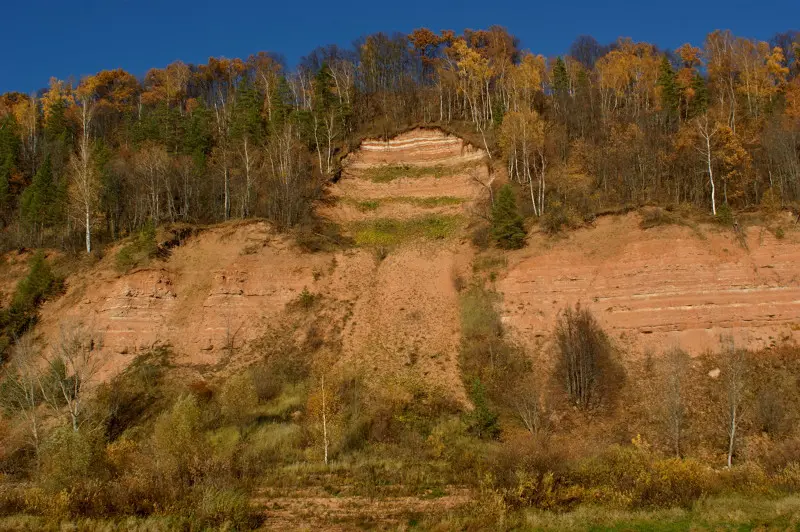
x=623, y=123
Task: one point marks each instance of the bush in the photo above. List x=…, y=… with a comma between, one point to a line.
x=482, y=421
x=770, y=202
x=220, y=508
x=139, y=251
x=481, y=236
x=725, y=215
x=38, y=285
x=66, y=457
x=656, y=216
x=305, y=300
x=238, y=398
x=558, y=217
x=176, y=443
x=508, y=229
x=134, y=396
x=633, y=476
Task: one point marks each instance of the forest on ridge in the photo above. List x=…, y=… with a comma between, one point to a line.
x=715, y=125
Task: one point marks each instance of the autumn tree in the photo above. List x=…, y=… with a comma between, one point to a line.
x=584, y=353
x=676, y=365
x=735, y=374
x=22, y=386
x=73, y=364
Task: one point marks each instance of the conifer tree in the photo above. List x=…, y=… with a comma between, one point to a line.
x=699, y=103
x=507, y=225
x=9, y=150
x=39, y=204
x=670, y=93
x=560, y=78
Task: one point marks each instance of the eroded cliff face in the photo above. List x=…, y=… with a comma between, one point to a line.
x=221, y=290
x=662, y=287
x=215, y=293
x=399, y=315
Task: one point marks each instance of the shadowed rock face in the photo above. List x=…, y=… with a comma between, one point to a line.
x=659, y=288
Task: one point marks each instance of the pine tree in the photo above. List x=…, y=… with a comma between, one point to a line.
x=482, y=421
x=507, y=224
x=699, y=103
x=41, y=203
x=670, y=93
x=9, y=151
x=280, y=100
x=560, y=78
x=247, y=114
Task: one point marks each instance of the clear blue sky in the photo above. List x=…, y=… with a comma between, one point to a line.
x=60, y=38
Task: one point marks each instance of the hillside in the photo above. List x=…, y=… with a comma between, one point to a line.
x=390, y=317
x=223, y=288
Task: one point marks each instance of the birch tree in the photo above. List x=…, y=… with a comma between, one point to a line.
x=85, y=186
x=735, y=379
x=706, y=132
x=73, y=364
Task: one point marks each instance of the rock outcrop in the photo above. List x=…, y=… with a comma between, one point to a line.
x=661, y=287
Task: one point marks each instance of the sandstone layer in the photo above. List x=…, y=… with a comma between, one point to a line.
x=658, y=288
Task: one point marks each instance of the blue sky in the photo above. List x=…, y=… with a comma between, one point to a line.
x=47, y=38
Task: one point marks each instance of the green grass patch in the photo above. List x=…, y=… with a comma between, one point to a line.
x=389, y=172
x=430, y=202
x=392, y=232
x=424, y=202
x=368, y=205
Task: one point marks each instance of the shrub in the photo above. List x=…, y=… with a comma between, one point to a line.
x=305, y=300
x=481, y=236
x=223, y=509
x=139, y=251
x=725, y=215
x=132, y=397
x=508, y=229
x=238, y=398
x=770, y=202
x=584, y=352
x=558, y=217
x=38, y=285
x=175, y=442
x=317, y=235
x=656, y=216
x=633, y=476
x=482, y=421
x=66, y=457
